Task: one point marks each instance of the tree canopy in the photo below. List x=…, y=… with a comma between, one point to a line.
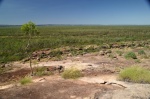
x=30, y=29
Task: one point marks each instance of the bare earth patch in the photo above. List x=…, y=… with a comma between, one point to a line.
x=99, y=81
x=55, y=88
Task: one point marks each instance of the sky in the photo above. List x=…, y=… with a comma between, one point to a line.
x=98, y=12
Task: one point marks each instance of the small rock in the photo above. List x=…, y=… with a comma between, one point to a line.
x=108, y=83
x=89, y=64
x=72, y=97
x=60, y=68
x=102, y=53
x=42, y=80
x=104, y=82
x=55, y=68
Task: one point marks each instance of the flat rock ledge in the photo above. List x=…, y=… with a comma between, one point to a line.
x=136, y=91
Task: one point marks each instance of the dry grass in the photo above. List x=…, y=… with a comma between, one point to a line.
x=135, y=74
x=26, y=80
x=72, y=73
x=42, y=71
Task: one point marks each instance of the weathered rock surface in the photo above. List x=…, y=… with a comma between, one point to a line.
x=136, y=91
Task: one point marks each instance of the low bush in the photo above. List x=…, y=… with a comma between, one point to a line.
x=137, y=61
x=26, y=80
x=42, y=71
x=71, y=73
x=130, y=55
x=141, y=52
x=135, y=74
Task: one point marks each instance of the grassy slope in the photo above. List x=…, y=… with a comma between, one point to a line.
x=13, y=42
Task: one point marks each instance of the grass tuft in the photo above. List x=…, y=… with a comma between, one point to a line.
x=141, y=52
x=135, y=74
x=26, y=80
x=130, y=55
x=120, y=53
x=72, y=73
x=42, y=71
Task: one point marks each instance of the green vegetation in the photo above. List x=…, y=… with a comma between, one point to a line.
x=138, y=61
x=13, y=42
x=5, y=69
x=2, y=70
x=130, y=55
x=112, y=56
x=71, y=73
x=26, y=80
x=120, y=53
x=42, y=71
x=141, y=52
x=30, y=30
x=135, y=74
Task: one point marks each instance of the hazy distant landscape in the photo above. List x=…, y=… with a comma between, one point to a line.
x=13, y=41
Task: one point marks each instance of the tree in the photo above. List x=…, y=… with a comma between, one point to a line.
x=30, y=30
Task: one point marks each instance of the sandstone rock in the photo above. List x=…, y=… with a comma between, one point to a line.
x=93, y=80
x=55, y=68
x=102, y=53
x=136, y=91
x=72, y=97
x=90, y=65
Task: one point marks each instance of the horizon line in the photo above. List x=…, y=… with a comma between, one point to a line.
x=80, y=24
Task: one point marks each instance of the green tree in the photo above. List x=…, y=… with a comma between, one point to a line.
x=30, y=30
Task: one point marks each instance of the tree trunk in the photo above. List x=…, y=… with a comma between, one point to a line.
x=31, y=64
x=30, y=55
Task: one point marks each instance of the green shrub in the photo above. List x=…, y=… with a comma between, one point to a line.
x=26, y=80
x=141, y=52
x=71, y=73
x=135, y=74
x=130, y=55
x=41, y=71
x=2, y=70
x=56, y=53
x=138, y=61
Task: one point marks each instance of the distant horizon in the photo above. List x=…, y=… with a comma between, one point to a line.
x=81, y=24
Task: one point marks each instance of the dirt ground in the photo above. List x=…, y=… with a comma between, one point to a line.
x=13, y=76
x=55, y=87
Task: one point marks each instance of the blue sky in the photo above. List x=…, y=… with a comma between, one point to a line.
x=103, y=12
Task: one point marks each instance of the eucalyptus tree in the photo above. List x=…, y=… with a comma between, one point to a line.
x=30, y=30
